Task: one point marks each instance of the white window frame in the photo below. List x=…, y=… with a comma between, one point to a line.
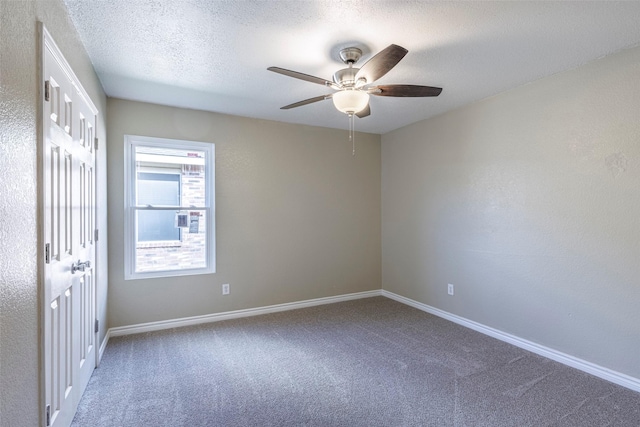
x=130, y=144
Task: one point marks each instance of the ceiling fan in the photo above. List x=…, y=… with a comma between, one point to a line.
x=354, y=85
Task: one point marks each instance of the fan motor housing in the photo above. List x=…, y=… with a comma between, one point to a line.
x=346, y=77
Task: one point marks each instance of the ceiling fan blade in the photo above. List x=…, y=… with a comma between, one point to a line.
x=365, y=112
x=381, y=63
x=405, y=90
x=301, y=76
x=307, y=101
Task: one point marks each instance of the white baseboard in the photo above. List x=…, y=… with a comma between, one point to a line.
x=103, y=346
x=208, y=318
x=574, y=362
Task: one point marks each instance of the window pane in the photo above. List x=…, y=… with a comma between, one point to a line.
x=157, y=225
x=154, y=165
x=188, y=253
x=158, y=189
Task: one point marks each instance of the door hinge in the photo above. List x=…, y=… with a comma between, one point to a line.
x=95, y=143
x=95, y=235
x=47, y=413
x=47, y=90
x=97, y=327
x=47, y=253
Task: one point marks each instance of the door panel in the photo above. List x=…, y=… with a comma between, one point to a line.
x=69, y=119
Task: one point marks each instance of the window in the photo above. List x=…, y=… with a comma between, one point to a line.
x=169, y=207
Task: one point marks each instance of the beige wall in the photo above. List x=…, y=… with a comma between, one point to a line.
x=529, y=203
x=20, y=250
x=297, y=216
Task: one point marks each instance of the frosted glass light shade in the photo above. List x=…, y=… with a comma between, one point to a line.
x=350, y=101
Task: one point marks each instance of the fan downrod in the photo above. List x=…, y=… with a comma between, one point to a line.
x=346, y=76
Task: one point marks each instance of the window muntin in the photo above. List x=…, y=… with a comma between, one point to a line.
x=169, y=204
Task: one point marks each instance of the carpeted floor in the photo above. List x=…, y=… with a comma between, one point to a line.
x=368, y=362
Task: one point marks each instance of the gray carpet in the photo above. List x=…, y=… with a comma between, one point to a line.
x=369, y=362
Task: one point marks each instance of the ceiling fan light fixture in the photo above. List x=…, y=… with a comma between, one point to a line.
x=350, y=101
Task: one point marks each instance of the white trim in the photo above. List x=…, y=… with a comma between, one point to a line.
x=574, y=362
x=103, y=346
x=49, y=44
x=216, y=317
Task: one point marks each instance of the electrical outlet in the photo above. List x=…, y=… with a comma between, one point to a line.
x=450, y=289
x=225, y=289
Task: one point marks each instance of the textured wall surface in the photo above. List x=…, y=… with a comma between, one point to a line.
x=19, y=249
x=297, y=216
x=529, y=203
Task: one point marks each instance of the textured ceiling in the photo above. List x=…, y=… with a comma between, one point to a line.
x=213, y=55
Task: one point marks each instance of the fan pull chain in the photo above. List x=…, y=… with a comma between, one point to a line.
x=352, y=137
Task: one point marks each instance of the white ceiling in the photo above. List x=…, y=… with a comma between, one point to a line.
x=213, y=55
